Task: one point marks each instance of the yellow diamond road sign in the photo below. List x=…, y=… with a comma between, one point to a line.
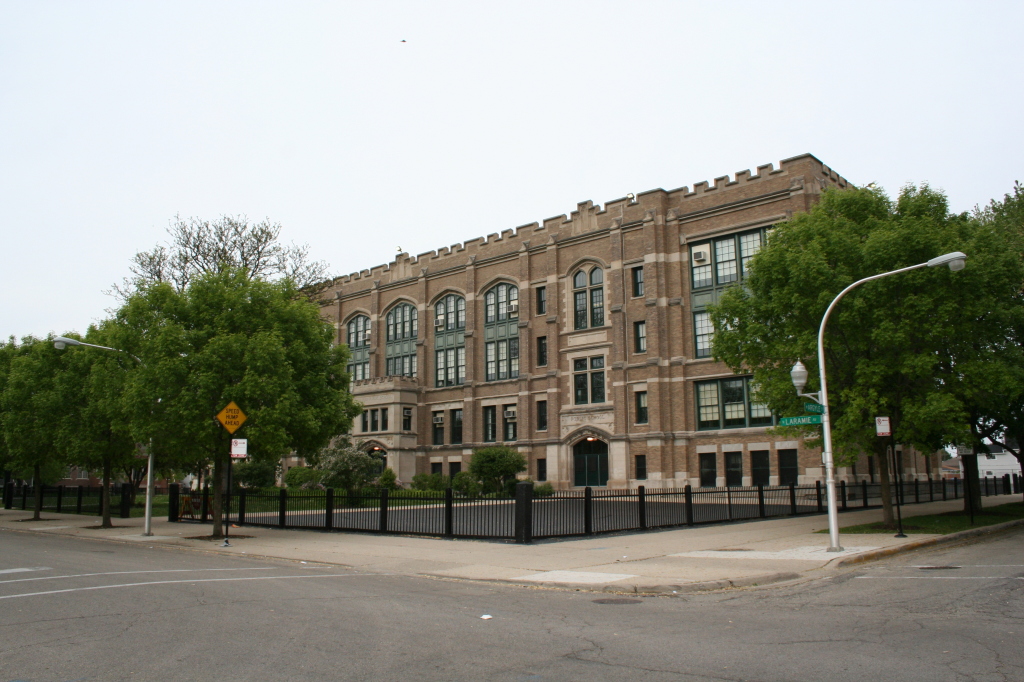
x=231, y=417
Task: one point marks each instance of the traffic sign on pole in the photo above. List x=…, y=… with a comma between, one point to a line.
x=239, y=448
x=231, y=417
x=882, y=427
x=800, y=421
x=815, y=408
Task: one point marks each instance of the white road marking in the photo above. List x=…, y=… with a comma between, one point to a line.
x=940, y=577
x=818, y=553
x=89, y=575
x=176, y=582
x=26, y=570
x=588, y=577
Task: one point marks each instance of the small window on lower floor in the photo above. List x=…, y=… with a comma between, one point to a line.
x=435, y=468
x=542, y=469
x=641, y=467
x=454, y=468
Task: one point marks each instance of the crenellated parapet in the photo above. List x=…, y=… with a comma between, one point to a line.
x=794, y=174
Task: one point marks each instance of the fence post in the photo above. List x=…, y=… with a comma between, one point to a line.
x=956, y=488
x=817, y=492
x=126, y=500
x=917, y=492
x=241, y=506
x=449, y=513
x=78, y=502
x=760, y=500
x=9, y=495
x=204, y=506
x=383, y=525
x=728, y=503
x=588, y=511
x=24, y=495
x=688, y=494
x=524, y=516
x=60, y=498
x=792, y=498
x=329, y=510
x=641, y=500
x=173, y=501
x=282, y=508
x=842, y=494
x=864, y=492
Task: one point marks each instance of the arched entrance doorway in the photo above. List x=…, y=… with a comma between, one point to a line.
x=590, y=462
x=380, y=457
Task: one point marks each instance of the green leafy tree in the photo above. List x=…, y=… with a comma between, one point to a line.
x=344, y=465
x=94, y=432
x=888, y=343
x=464, y=483
x=388, y=480
x=494, y=465
x=255, y=473
x=302, y=477
x=31, y=409
x=227, y=337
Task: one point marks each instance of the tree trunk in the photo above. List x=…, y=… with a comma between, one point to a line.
x=882, y=457
x=37, y=503
x=105, y=523
x=218, y=497
x=972, y=486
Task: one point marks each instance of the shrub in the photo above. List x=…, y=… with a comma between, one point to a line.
x=430, y=482
x=255, y=473
x=345, y=465
x=464, y=483
x=494, y=466
x=510, y=485
x=543, y=490
x=388, y=479
x=298, y=477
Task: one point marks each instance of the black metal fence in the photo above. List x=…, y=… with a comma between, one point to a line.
x=74, y=499
x=565, y=513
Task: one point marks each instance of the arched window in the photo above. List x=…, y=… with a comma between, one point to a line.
x=400, y=351
x=450, y=341
x=501, y=333
x=359, y=347
x=588, y=298
x=501, y=303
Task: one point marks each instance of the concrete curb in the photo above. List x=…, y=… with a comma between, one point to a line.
x=919, y=544
x=682, y=588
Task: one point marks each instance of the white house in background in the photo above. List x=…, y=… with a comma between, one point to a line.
x=997, y=463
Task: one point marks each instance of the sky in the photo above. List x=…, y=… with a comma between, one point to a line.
x=362, y=127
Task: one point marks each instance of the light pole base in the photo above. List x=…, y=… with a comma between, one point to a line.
x=837, y=548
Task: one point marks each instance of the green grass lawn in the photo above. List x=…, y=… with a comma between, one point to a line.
x=942, y=524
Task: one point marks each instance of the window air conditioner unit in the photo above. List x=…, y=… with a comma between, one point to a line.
x=439, y=419
x=513, y=307
x=510, y=414
x=406, y=411
x=700, y=256
x=439, y=322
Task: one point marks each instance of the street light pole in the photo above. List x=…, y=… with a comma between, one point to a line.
x=955, y=261
x=62, y=342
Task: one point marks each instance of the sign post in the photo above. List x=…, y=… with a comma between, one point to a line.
x=883, y=429
x=232, y=418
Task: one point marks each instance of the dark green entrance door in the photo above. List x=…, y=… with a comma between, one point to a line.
x=591, y=463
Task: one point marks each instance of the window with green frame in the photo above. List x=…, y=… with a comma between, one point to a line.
x=726, y=260
x=501, y=333
x=728, y=404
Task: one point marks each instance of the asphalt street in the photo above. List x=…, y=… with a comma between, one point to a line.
x=75, y=609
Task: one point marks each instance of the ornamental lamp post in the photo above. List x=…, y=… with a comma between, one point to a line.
x=62, y=342
x=956, y=262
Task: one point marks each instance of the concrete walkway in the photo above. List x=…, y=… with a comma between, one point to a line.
x=665, y=561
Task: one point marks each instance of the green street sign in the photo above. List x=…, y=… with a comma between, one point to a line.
x=800, y=421
x=815, y=408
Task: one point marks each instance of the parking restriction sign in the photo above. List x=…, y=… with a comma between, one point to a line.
x=882, y=427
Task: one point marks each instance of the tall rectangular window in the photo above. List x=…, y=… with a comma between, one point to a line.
x=455, y=417
x=450, y=366
x=383, y=419
x=501, y=359
x=760, y=473
x=750, y=243
x=374, y=421
x=640, y=397
x=703, y=331
x=641, y=467
x=454, y=468
x=789, y=468
x=588, y=380
x=542, y=351
x=407, y=419
x=580, y=309
x=437, y=424
x=597, y=307
x=734, y=469
x=640, y=336
x=542, y=415
x=366, y=421
x=508, y=416
x=490, y=423
x=708, y=470
x=638, y=281
x=542, y=469
x=725, y=260
x=542, y=300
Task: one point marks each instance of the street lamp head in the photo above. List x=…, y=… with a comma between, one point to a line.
x=955, y=260
x=62, y=342
x=799, y=374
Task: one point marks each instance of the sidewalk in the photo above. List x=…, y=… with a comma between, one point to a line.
x=666, y=561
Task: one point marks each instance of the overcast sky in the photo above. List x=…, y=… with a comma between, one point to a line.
x=362, y=127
